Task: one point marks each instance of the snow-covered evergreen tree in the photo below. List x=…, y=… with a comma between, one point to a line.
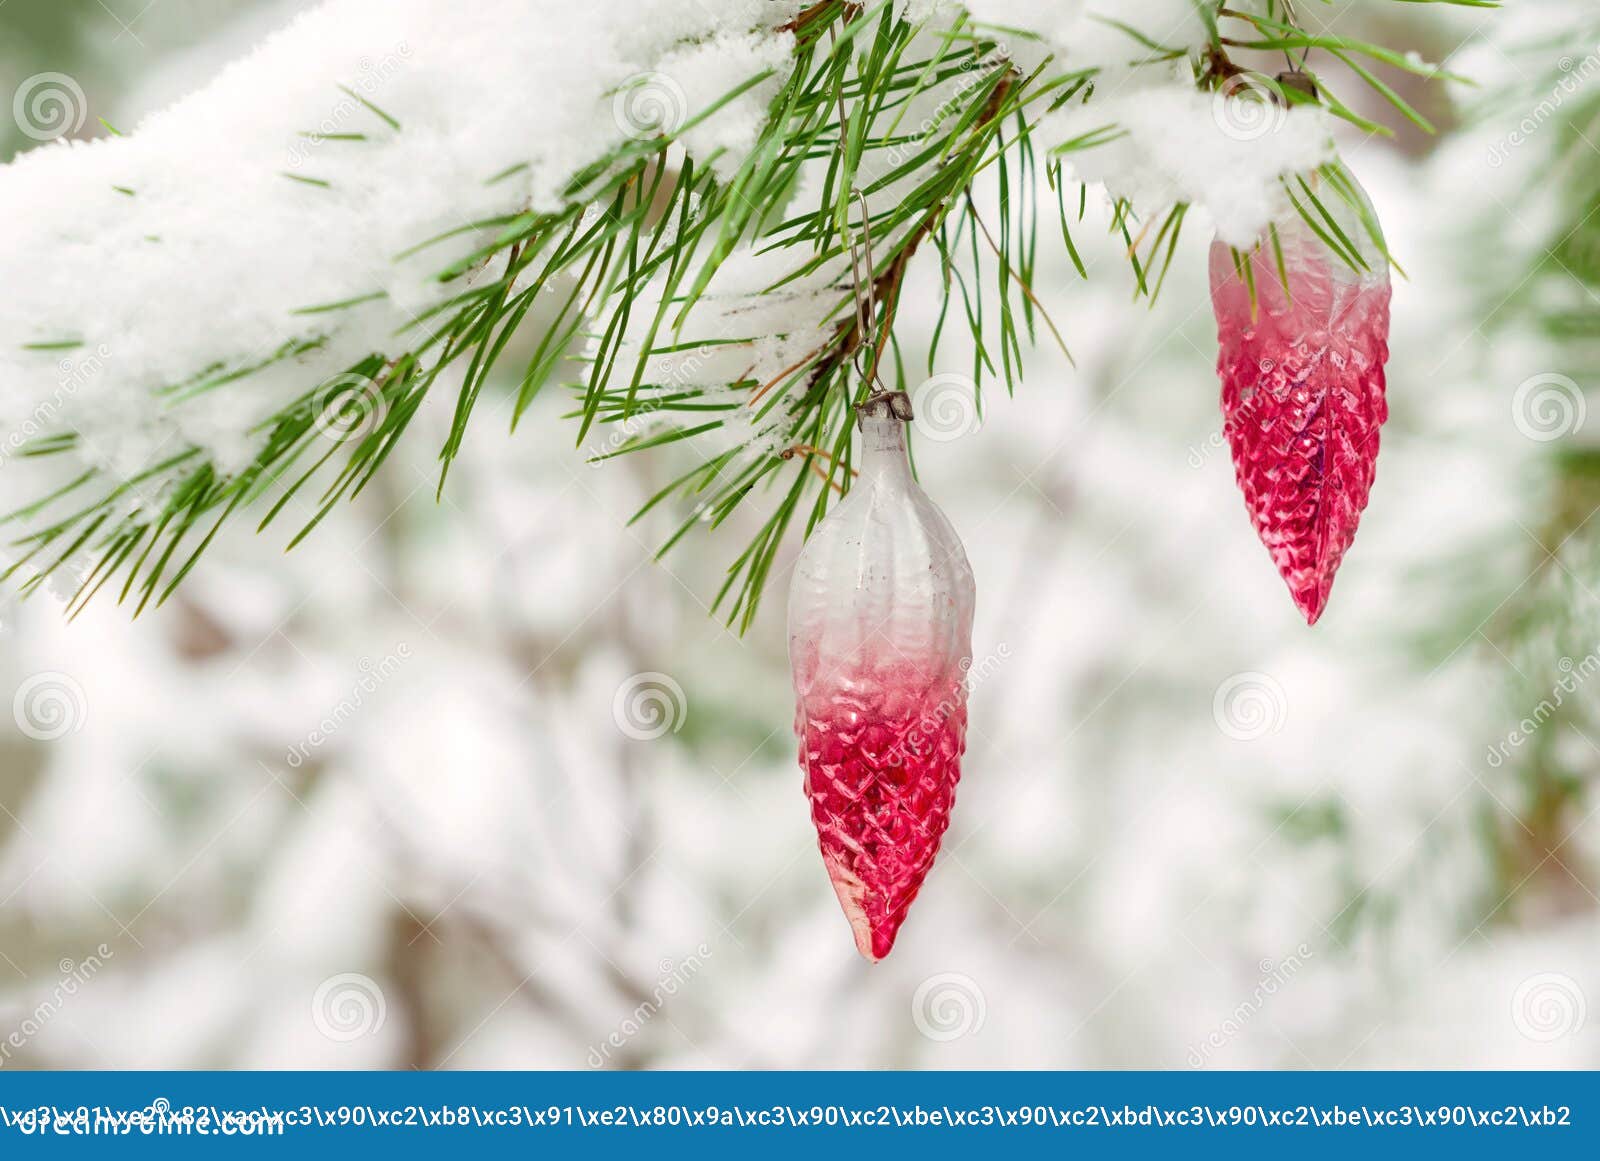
x=367, y=803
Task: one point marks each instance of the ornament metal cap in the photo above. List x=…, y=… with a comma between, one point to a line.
x=1299, y=82
x=883, y=405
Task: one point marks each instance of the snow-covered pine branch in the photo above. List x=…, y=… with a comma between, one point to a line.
x=272, y=274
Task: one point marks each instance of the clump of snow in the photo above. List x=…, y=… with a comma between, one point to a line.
x=706, y=72
x=1224, y=152
x=1219, y=151
x=293, y=181
x=1108, y=35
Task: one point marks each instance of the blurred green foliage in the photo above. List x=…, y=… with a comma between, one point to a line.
x=105, y=46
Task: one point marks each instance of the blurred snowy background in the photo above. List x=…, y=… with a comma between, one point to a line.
x=477, y=784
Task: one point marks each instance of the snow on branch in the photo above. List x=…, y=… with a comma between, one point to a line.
x=669, y=192
x=230, y=228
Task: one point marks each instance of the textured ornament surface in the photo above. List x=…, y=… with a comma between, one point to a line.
x=880, y=641
x=1303, y=393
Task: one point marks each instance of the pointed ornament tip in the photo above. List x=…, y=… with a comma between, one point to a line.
x=1311, y=604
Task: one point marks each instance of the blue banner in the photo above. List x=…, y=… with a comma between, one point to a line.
x=790, y=1114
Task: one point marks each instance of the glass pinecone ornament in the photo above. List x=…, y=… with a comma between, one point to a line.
x=880, y=641
x=1303, y=386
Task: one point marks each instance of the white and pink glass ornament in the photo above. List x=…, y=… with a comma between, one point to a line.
x=880, y=641
x=1302, y=380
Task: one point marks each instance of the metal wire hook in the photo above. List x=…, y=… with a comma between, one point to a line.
x=866, y=303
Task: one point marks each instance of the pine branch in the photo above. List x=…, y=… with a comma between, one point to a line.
x=633, y=256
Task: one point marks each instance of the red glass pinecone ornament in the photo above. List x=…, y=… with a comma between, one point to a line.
x=1303, y=388
x=880, y=641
